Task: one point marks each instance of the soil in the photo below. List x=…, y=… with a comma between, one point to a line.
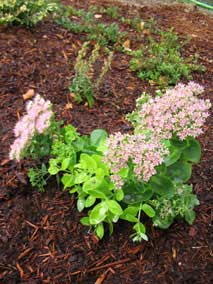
x=41, y=240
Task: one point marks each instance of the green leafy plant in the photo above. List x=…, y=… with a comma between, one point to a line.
x=103, y=34
x=83, y=85
x=112, y=12
x=38, y=176
x=161, y=62
x=28, y=12
x=123, y=176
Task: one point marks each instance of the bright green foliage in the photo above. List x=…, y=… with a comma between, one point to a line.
x=28, y=12
x=161, y=61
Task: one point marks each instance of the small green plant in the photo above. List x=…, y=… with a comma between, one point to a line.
x=83, y=85
x=28, y=12
x=104, y=35
x=112, y=12
x=161, y=62
x=139, y=25
x=134, y=23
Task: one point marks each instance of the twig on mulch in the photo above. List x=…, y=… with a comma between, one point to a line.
x=113, y=264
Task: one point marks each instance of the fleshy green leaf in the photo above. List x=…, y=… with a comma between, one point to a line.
x=139, y=228
x=67, y=180
x=148, y=210
x=114, y=207
x=96, y=193
x=189, y=216
x=85, y=221
x=162, y=185
x=193, y=152
x=81, y=177
x=180, y=171
x=173, y=156
x=119, y=194
x=124, y=172
x=129, y=217
x=97, y=136
x=80, y=204
x=65, y=164
x=87, y=163
x=90, y=201
x=99, y=230
x=98, y=213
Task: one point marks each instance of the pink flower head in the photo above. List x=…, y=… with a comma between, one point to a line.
x=145, y=155
x=179, y=111
x=36, y=120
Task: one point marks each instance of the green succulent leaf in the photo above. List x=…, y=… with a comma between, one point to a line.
x=80, y=204
x=193, y=152
x=98, y=136
x=180, y=171
x=98, y=213
x=90, y=201
x=99, y=230
x=67, y=180
x=148, y=210
x=119, y=194
x=189, y=216
x=85, y=221
x=114, y=207
x=162, y=185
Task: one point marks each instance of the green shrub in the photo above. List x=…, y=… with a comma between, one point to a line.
x=161, y=61
x=25, y=12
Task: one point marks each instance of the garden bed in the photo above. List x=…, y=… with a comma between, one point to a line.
x=41, y=239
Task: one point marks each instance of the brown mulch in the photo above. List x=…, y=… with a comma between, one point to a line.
x=41, y=240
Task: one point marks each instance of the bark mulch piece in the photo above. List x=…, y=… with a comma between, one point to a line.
x=41, y=240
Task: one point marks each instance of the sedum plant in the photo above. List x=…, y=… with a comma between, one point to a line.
x=122, y=176
x=83, y=84
x=27, y=13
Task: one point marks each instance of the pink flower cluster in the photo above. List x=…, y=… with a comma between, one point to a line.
x=36, y=120
x=179, y=111
x=145, y=155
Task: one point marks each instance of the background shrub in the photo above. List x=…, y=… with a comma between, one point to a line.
x=25, y=12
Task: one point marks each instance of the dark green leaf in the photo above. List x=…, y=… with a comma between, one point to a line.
x=173, y=156
x=193, y=152
x=189, y=216
x=180, y=171
x=162, y=185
